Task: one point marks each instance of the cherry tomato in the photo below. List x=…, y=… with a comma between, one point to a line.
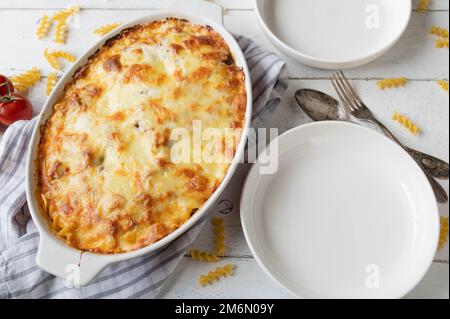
x=14, y=107
x=4, y=83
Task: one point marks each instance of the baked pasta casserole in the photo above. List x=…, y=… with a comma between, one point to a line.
x=106, y=178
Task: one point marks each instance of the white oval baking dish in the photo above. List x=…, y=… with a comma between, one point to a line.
x=330, y=34
x=54, y=255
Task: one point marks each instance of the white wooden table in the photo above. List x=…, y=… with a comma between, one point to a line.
x=414, y=57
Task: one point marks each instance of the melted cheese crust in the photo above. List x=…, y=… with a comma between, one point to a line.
x=106, y=179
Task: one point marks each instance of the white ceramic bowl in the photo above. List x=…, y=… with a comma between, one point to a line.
x=348, y=214
x=330, y=34
x=54, y=255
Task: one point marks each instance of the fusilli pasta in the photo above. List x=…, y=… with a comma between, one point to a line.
x=61, y=17
x=203, y=256
x=215, y=275
x=27, y=79
x=392, y=83
x=51, y=82
x=61, y=31
x=64, y=55
x=52, y=60
x=444, y=233
x=64, y=14
x=444, y=85
x=219, y=230
x=103, y=30
x=423, y=5
x=442, y=43
x=407, y=123
x=44, y=27
x=440, y=32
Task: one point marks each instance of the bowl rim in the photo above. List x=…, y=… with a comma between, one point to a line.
x=324, y=62
x=434, y=217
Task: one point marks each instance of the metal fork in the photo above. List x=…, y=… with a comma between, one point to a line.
x=356, y=107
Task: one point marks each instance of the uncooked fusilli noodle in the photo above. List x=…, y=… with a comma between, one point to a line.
x=64, y=55
x=103, y=30
x=44, y=27
x=219, y=230
x=26, y=80
x=440, y=32
x=444, y=85
x=442, y=43
x=423, y=5
x=216, y=274
x=392, y=83
x=61, y=31
x=64, y=14
x=61, y=17
x=203, y=256
x=444, y=233
x=52, y=60
x=51, y=82
x=407, y=123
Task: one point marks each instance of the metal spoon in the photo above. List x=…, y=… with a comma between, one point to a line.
x=322, y=107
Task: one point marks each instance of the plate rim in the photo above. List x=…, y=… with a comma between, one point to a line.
x=295, y=130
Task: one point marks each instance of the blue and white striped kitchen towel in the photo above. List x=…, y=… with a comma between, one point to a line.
x=142, y=277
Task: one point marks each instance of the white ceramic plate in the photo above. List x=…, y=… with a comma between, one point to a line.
x=347, y=215
x=334, y=34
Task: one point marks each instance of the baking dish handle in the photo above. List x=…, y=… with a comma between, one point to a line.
x=55, y=257
x=76, y=268
x=208, y=10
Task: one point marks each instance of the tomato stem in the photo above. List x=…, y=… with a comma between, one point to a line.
x=7, y=87
x=8, y=98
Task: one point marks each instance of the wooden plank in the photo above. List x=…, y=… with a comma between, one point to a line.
x=435, y=4
x=414, y=56
x=111, y=4
x=434, y=285
x=148, y=4
x=250, y=281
